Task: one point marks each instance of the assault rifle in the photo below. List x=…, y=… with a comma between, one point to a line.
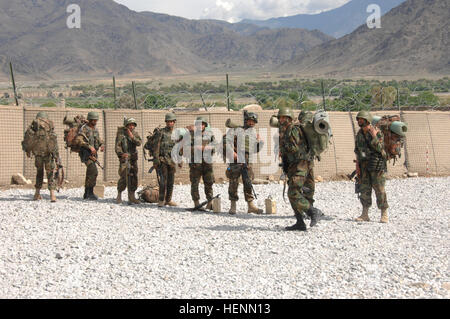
x=86, y=154
x=352, y=176
x=201, y=205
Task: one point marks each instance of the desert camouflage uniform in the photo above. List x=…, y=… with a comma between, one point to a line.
x=366, y=148
x=124, y=144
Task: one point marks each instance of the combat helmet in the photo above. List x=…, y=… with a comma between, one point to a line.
x=285, y=111
x=93, y=116
x=170, y=117
x=202, y=119
x=251, y=116
x=364, y=115
x=42, y=115
x=130, y=121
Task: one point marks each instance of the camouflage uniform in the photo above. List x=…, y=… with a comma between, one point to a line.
x=90, y=137
x=124, y=144
x=234, y=170
x=298, y=167
x=367, y=149
x=45, y=158
x=163, y=159
x=202, y=170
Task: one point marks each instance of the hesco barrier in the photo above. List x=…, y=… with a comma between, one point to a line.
x=427, y=150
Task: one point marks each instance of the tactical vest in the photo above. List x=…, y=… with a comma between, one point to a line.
x=166, y=143
x=375, y=161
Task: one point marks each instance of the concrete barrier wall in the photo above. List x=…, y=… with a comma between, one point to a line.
x=427, y=149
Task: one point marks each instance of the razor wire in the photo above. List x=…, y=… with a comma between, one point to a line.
x=344, y=95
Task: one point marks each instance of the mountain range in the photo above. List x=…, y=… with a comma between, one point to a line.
x=414, y=39
x=336, y=23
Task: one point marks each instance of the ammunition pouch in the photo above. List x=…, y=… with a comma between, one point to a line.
x=376, y=163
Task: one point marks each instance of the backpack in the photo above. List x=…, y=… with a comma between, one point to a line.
x=316, y=128
x=393, y=142
x=152, y=142
x=40, y=138
x=72, y=131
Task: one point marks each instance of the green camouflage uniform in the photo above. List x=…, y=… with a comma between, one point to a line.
x=44, y=157
x=234, y=170
x=369, y=149
x=124, y=144
x=202, y=170
x=298, y=167
x=163, y=158
x=93, y=139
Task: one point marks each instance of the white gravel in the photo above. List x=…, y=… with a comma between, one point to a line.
x=77, y=249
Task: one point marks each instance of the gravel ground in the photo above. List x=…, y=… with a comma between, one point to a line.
x=75, y=249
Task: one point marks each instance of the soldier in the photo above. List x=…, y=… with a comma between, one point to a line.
x=370, y=166
x=44, y=146
x=200, y=166
x=90, y=142
x=298, y=166
x=163, y=162
x=127, y=139
x=234, y=170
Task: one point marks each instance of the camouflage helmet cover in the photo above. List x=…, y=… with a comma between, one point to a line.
x=42, y=115
x=251, y=116
x=364, y=115
x=170, y=117
x=130, y=121
x=202, y=119
x=93, y=116
x=286, y=111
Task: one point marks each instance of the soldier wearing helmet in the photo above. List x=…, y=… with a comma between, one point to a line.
x=253, y=145
x=41, y=141
x=90, y=143
x=127, y=141
x=200, y=160
x=164, y=163
x=298, y=167
x=370, y=166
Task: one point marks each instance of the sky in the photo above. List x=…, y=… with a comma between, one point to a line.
x=232, y=10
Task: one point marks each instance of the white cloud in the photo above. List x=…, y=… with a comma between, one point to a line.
x=233, y=10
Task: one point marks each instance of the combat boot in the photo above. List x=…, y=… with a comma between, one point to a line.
x=300, y=225
x=364, y=216
x=171, y=203
x=384, y=216
x=132, y=199
x=119, y=198
x=253, y=209
x=196, y=203
x=91, y=195
x=161, y=203
x=232, y=210
x=86, y=192
x=209, y=206
x=314, y=214
x=37, y=194
x=52, y=196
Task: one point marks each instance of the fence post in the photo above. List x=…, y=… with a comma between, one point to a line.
x=228, y=95
x=13, y=83
x=105, y=156
x=134, y=94
x=115, y=97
